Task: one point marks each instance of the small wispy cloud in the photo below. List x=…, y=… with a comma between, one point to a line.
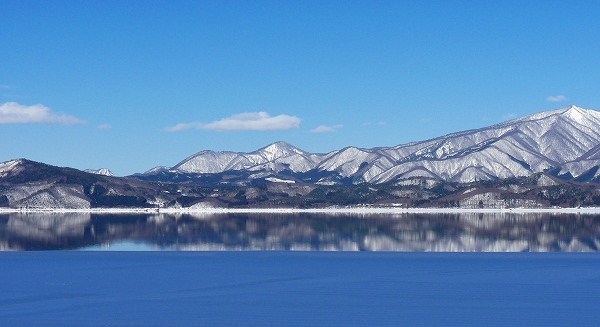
x=15, y=113
x=104, y=126
x=556, y=98
x=183, y=127
x=326, y=128
x=4, y=86
x=247, y=121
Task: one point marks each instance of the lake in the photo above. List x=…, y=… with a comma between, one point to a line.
x=374, y=282
x=466, y=232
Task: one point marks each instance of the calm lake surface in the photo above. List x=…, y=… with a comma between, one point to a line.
x=469, y=232
x=400, y=285
x=66, y=288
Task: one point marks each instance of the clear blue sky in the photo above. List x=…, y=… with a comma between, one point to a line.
x=130, y=85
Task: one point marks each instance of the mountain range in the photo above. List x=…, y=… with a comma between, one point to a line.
x=566, y=141
x=550, y=158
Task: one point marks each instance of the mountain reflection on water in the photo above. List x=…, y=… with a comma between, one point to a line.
x=401, y=232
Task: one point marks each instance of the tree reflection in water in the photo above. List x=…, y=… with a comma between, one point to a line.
x=314, y=232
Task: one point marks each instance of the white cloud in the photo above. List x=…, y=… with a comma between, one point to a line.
x=254, y=121
x=326, y=129
x=556, y=98
x=104, y=126
x=247, y=121
x=14, y=113
x=183, y=127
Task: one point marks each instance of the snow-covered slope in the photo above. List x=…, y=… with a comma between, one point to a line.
x=275, y=157
x=585, y=168
x=10, y=167
x=29, y=184
x=515, y=148
x=101, y=171
x=568, y=138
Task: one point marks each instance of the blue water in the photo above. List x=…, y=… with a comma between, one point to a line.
x=64, y=288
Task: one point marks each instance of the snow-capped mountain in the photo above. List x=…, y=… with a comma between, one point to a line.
x=515, y=148
x=567, y=139
x=101, y=171
x=29, y=184
x=275, y=157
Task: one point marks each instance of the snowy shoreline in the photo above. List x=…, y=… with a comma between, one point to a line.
x=352, y=210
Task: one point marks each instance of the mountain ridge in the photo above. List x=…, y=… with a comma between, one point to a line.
x=548, y=159
x=515, y=148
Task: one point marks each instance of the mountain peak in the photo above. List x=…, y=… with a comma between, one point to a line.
x=575, y=113
x=587, y=117
x=279, y=145
x=279, y=150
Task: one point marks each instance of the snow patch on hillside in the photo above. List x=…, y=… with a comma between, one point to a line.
x=9, y=167
x=101, y=171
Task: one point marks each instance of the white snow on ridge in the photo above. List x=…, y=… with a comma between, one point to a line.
x=9, y=166
x=514, y=148
x=156, y=170
x=279, y=150
x=101, y=171
x=207, y=162
x=275, y=157
x=278, y=180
